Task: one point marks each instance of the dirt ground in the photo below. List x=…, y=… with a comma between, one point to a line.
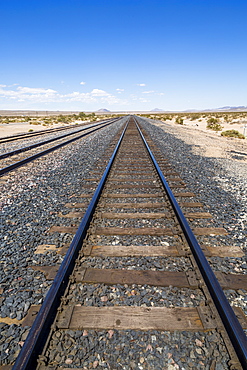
x=207, y=142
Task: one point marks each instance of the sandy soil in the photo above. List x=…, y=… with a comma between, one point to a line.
x=202, y=125
x=207, y=142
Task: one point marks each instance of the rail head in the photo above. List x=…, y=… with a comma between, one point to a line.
x=232, y=326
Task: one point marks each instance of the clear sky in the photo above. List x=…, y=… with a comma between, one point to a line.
x=122, y=54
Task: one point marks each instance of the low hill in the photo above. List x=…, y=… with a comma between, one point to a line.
x=102, y=110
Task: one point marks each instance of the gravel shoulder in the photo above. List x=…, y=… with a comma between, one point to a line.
x=206, y=142
x=213, y=168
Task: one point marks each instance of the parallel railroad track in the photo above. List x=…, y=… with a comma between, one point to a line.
x=37, y=133
x=133, y=213
x=17, y=158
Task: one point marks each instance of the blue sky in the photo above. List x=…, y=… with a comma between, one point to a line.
x=122, y=55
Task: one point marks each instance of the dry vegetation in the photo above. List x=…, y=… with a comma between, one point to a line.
x=215, y=121
x=53, y=120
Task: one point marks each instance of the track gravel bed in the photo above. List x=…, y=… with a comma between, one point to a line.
x=137, y=350
x=133, y=295
x=140, y=263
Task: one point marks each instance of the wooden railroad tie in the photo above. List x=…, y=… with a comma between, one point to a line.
x=199, y=318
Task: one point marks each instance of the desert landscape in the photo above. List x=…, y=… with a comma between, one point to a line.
x=202, y=130
x=18, y=124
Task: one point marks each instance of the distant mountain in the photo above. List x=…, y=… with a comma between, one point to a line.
x=157, y=110
x=102, y=110
x=240, y=107
x=227, y=108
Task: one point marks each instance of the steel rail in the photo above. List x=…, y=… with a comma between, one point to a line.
x=29, y=147
x=36, y=133
x=232, y=326
x=27, y=359
x=18, y=164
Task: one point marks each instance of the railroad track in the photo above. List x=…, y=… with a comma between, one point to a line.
x=102, y=290
x=18, y=157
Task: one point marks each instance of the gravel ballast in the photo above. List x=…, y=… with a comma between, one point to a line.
x=137, y=350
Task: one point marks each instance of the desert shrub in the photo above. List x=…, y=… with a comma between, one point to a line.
x=213, y=124
x=212, y=120
x=179, y=120
x=82, y=116
x=194, y=117
x=227, y=118
x=62, y=119
x=30, y=130
x=233, y=133
x=166, y=117
x=48, y=120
